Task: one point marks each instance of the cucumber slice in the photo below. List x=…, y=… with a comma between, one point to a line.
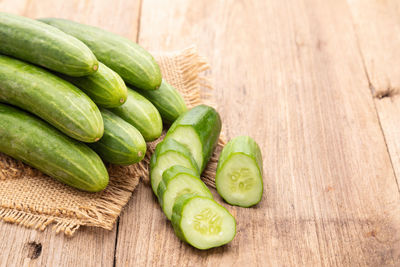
x=169, y=153
x=239, y=172
x=198, y=129
x=178, y=180
x=202, y=222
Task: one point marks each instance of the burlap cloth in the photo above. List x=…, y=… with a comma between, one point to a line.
x=31, y=199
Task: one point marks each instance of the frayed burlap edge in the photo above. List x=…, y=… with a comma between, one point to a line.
x=182, y=69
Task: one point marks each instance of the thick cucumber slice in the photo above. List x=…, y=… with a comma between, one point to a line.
x=198, y=129
x=121, y=143
x=176, y=181
x=202, y=222
x=167, y=100
x=169, y=153
x=142, y=114
x=239, y=172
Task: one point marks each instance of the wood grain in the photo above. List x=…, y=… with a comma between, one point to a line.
x=379, y=43
x=25, y=247
x=290, y=74
x=296, y=76
x=91, y=246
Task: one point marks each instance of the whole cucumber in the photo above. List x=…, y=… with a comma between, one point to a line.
x=167, y=100
x=121, y=143
x=41, y=44
x=142, y=114
x=51, y=98
x=31, y=140
x=105, y=87
x=131, y=61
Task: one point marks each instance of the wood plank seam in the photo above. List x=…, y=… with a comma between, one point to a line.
x=118, y=219
x=376, y=96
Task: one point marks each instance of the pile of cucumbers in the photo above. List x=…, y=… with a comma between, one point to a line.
x=73, y=96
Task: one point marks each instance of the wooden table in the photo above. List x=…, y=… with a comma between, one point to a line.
x=314, y=82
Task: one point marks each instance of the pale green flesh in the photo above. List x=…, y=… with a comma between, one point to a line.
x=205, y=224
x=165, y=161
x=239, y=181
x=182, y=184
x=187, y=136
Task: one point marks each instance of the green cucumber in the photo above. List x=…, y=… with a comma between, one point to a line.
x=132, y=62
x=198, y=129
x=51, y=98
x=31, y=140
x=105, y=87
x=202, y=222
x=41, y=44
x=121, y=143
x=142, y=114
x=239, y=172
x=167, y=100
x=178, y=180
x=169, y=153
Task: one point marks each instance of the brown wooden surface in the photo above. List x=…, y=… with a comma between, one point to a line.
x=308, y=80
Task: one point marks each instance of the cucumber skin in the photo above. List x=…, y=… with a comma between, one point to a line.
x=142, y=114
x=51, y=98
x=31, y=140
x=43, y=45
x=166, y=146
x=169, y=174
x=132, y=62
x=121, y=143
x=167, y=100
x=240, y=145
x=105, y=87
x=206, y=121
x=176, y=218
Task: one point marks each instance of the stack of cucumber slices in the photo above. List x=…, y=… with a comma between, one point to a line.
x=75, y=96
x=175, y=171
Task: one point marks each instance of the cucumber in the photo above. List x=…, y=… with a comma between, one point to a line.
x=239, y=172
x=176, y=181
x=198, y=129
x=31, y=140
x=202, y=222
x=142, y=114
x=51, y=98
x=167, y=100
x=105, y=87
x=169, y=153
x=41, y=44
x=121, y=143
x=133, y=63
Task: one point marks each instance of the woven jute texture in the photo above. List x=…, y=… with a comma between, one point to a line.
x=31, y=199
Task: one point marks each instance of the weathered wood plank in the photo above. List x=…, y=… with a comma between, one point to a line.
x=24, y=247
x=91, y=246
x=289, y=73
x=379, y=43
